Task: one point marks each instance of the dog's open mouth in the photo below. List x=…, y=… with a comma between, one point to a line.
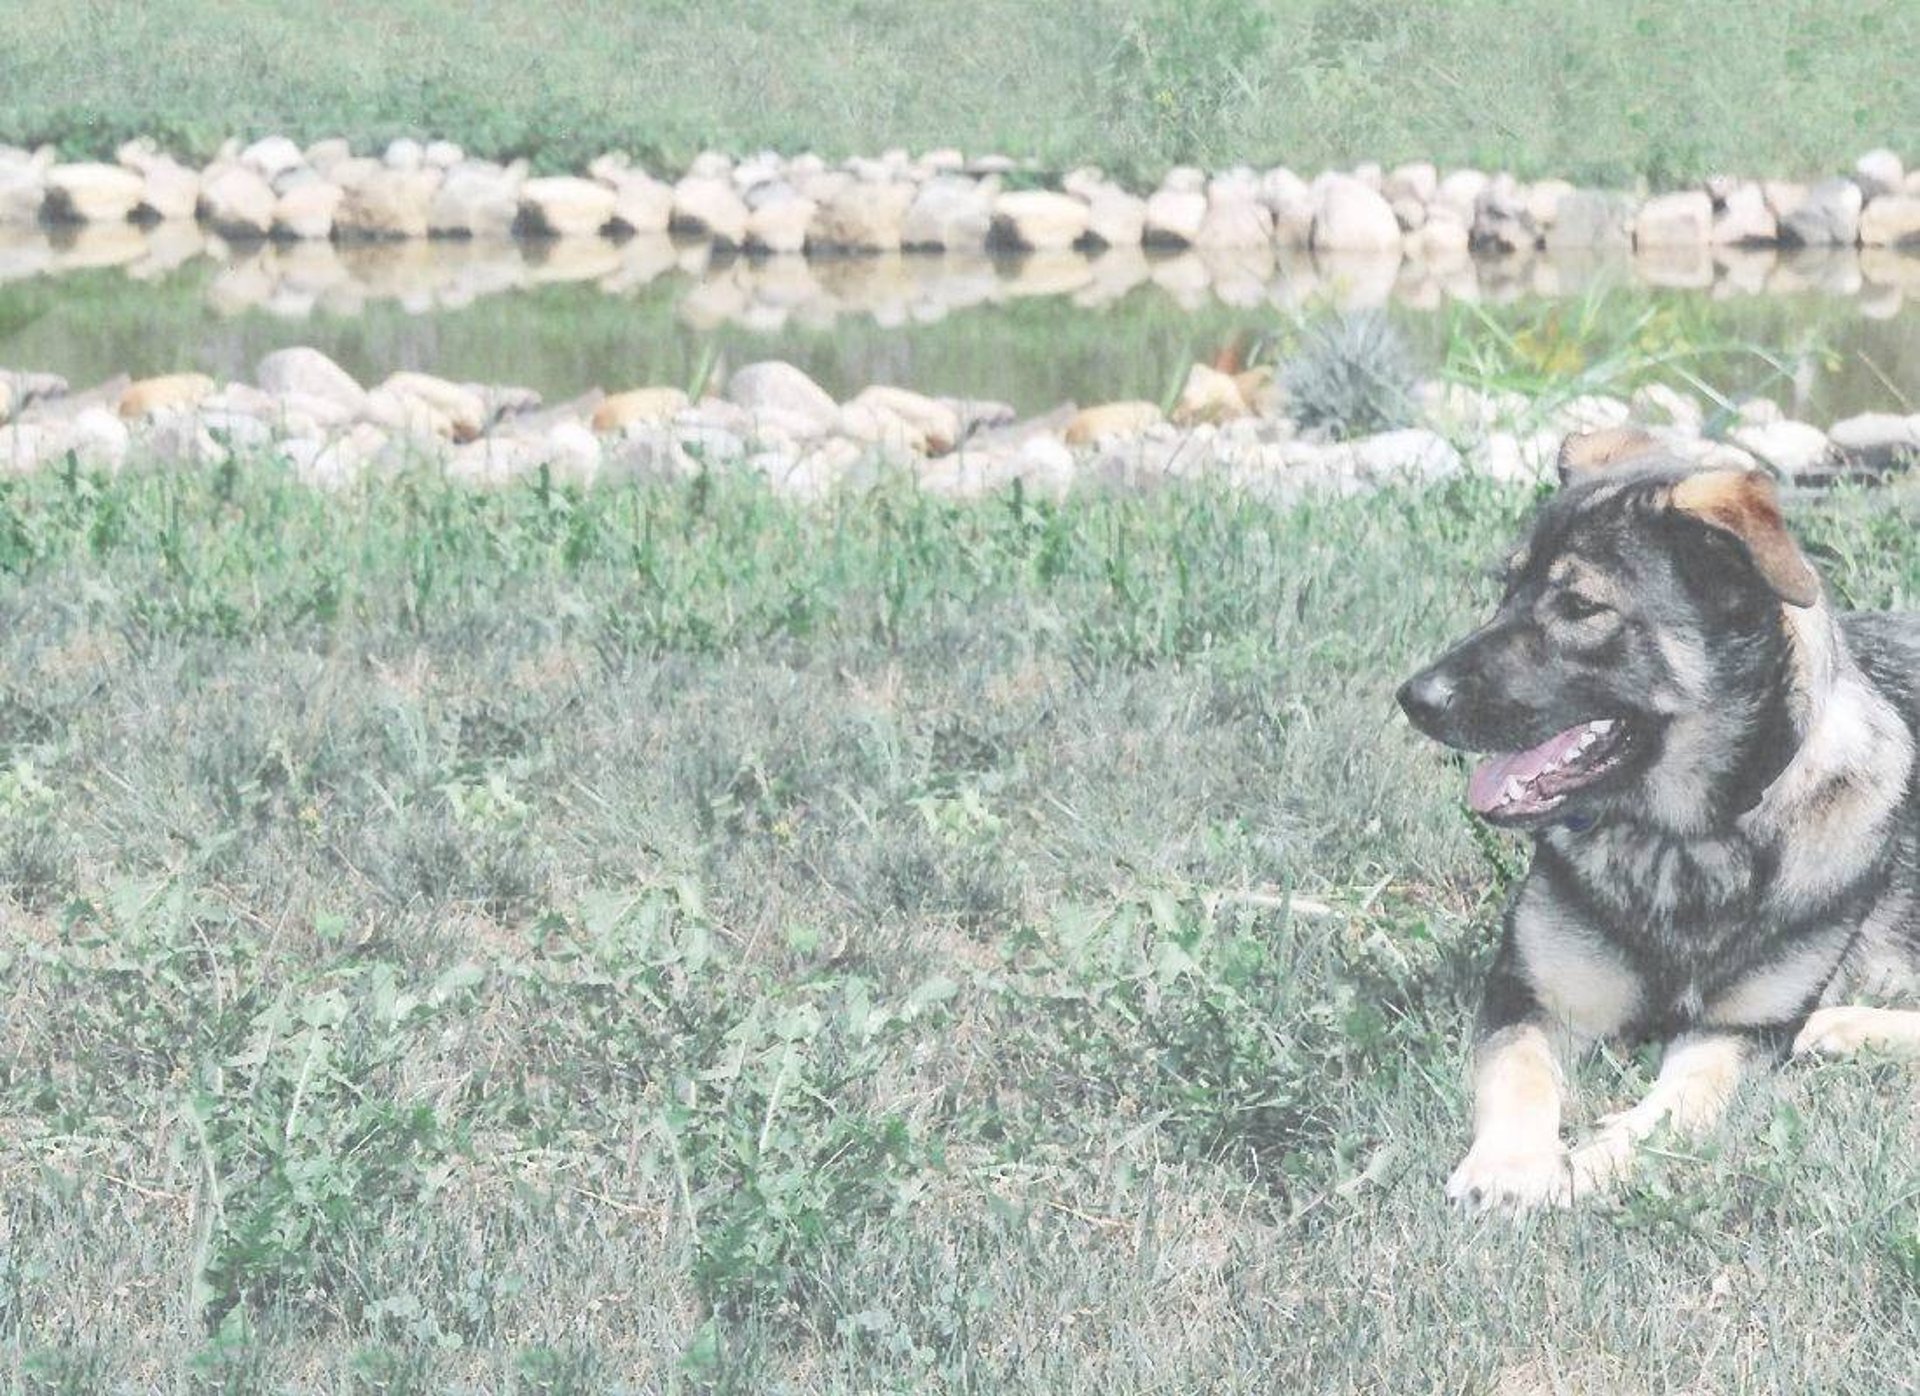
x=1524, y=785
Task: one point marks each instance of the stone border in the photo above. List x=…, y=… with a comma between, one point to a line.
x=329, y=431
x=941, y=200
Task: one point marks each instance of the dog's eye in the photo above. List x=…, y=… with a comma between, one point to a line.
x=1574, y=606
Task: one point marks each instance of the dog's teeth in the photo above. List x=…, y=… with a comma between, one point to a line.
x=1600, y=726
x=1513, y=789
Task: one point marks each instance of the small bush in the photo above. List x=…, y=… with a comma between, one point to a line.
x=1352, y=376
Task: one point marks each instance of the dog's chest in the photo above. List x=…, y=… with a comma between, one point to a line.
x=1685, y=911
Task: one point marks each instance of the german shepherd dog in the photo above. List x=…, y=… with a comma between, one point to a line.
x=1717, y=772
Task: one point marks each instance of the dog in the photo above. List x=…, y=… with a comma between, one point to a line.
x=1717, y=773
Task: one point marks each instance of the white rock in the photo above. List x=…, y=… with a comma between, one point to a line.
x=780, y=224
x=443, y=155
x=709, y=207
x=171, y=190
x=931, y=426
x=780, y=393
x=1891, y=220
x=92, y=193
x=1039, y=220
x=566, y=206
x=306, y=211
x=641, y=203
x=1350, y=217
x=1792, y=448
x=1659, y=405
x=237, y=202
x=1879, y=172
x=475, y=200
x=862, y=217
x=272, y=156
x=1744, y=218
x=22, y=193
x=384, y=203
x=1174, y=215
x=1681, y=219
x=949, y=212
x=311, y=374
x=1828, y=216
x=405, y=153
x=1412, y=454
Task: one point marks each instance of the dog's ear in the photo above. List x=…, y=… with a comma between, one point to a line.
x=1587, y=453
x=1743, y=503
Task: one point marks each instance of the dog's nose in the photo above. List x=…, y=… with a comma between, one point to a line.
x=1426, y=697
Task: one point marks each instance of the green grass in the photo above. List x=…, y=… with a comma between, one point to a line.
x=670, y=940
x=1604, y=92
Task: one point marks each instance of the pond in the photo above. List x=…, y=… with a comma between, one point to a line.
x=1828, y=334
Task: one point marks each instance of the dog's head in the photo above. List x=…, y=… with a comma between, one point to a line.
x=1645, y=593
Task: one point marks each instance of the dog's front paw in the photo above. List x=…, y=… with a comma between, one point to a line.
x=1512, y=1179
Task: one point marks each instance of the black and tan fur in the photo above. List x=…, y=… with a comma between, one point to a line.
x=1752, y=867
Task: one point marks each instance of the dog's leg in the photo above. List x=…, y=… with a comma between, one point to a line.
x=1517, y=1159
x=1698, y=1076
x=1850, y=1027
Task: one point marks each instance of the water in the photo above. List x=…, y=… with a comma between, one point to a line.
x=1827, y=333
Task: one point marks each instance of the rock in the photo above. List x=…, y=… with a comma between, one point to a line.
x=236, y=202
x=385, y=204
x=463, y=408
x=1683, y=219
x=170, y=191
x=781, y=223
x=862, y=218
x=949, y=212
x=1459, y=194
x=1891, y=220
x=272, y=156
x=1037, y=220
x=405, y=154
x=1417, y=182
x=475, y=200
x=1350, y=217
x=1879, y=172
x=443, y=155
x=98, y=439
x=708, y=207
x=1413, y=454
x=1502, y=220
x=1235, y=219
x=1795, y=449
x=1174, y=216
x=780, y=393
x=1589, y=218
x=1743, y=219
x=642, y=204
x=933, y=427
x=1656, y=404
x=1091, y=425
x=1443, y=238
x=324, y=155
x=22, y=193
x=1208, y=396
x=1877, y=443
x=306, y=211
x=1543, y=198
x=90, y=193
x=174, y=390
x=565, y=206
x=311, y=374
x=1115, y=217
x=1829, y=216
x=638, y=407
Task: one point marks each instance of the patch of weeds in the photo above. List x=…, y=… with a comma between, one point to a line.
x=1350, y=376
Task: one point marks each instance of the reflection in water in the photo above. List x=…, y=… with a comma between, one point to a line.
x=297, y=279
x=470, y=307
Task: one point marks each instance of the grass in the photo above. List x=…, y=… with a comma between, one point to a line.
x=670, y=940
x=1607, y=92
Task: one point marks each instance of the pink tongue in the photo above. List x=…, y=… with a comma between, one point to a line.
x=1491, y=776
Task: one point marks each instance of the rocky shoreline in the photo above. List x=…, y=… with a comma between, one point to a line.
x=942, y=200
x=309, y=415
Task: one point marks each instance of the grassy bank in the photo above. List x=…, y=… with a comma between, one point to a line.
x=668, y=940
x=1604, y=91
